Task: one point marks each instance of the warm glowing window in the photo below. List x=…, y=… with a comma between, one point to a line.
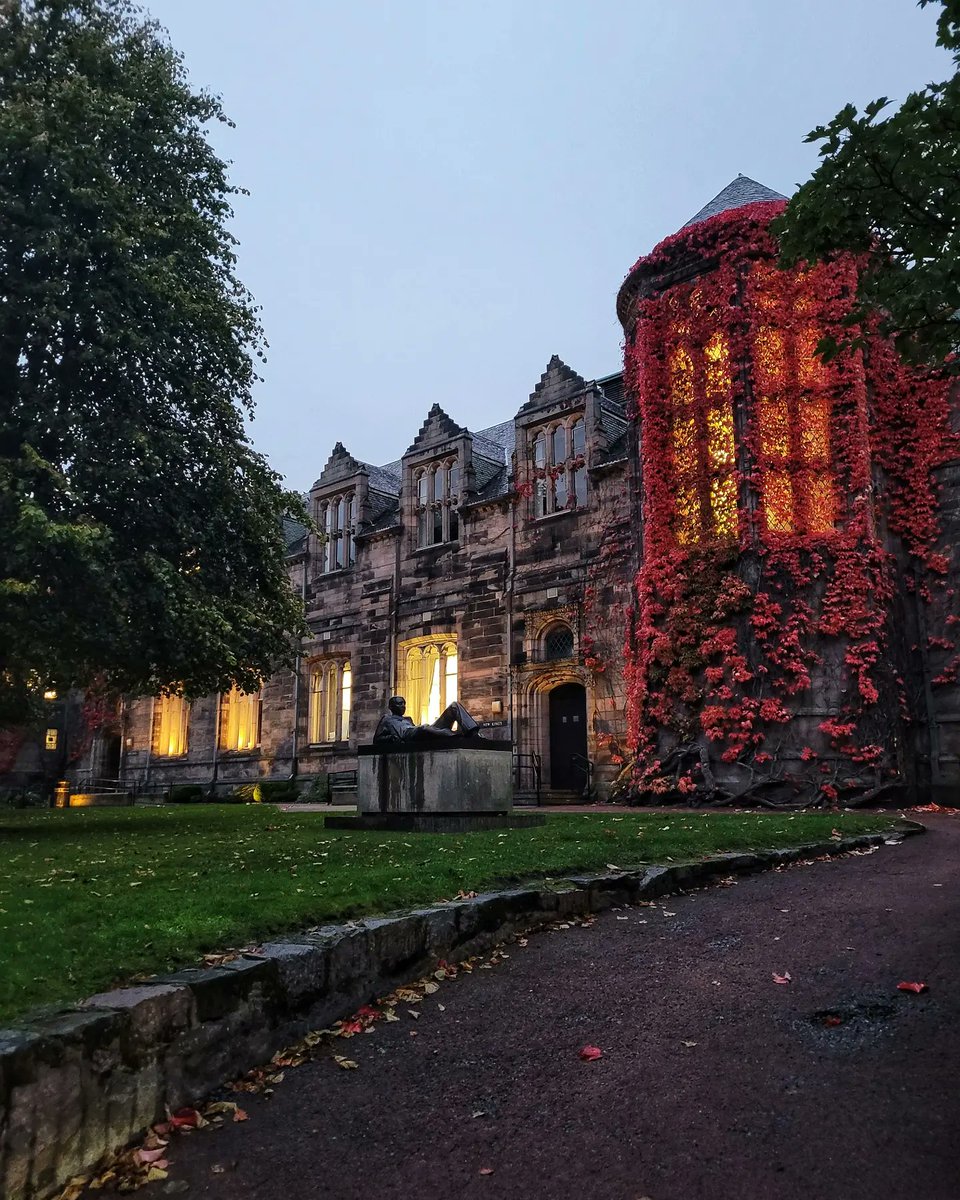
x=171, y=715
x=794, y=410
x=240, y=720
x=437, y=491
x=331, y=690
x=427, y=676
x=704, y=454
x=337, y=518
x=559, y=467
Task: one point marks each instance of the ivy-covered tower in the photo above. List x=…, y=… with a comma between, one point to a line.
x=773, y=648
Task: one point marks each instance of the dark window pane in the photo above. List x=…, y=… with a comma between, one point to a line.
x=580, y=486
x=558, y=643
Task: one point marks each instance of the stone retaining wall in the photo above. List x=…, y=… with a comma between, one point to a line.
x=81, y=1082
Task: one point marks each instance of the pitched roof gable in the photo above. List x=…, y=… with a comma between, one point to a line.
x=438, y=427
x=556, y=383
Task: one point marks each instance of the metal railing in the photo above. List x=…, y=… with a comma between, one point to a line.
x=579, y=763
x=88, y=782
x=342, y=781
x=527, y=767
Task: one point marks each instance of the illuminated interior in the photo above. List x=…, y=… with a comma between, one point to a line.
x=427, y=676
x=331, y=690
x=240, y=720
x=171, y=714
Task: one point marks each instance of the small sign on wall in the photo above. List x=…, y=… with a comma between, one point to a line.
x=52, y=738
x=492, y=724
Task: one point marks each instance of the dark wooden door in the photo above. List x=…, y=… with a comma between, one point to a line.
x=568, y=735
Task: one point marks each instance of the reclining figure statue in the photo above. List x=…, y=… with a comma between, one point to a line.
x=395, y=727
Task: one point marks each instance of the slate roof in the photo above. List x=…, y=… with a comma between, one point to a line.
x=736, y=194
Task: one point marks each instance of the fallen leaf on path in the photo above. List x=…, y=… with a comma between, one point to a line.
x=916, y=988
x=414, y=1013
x=347, y=1064
x=486, y=1170
x=150, y=1156
x=832, y=1021
x=590, y=1053
x=688, y=1043
x=784, y=978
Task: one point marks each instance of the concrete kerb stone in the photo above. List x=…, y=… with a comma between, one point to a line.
x=79, y=1083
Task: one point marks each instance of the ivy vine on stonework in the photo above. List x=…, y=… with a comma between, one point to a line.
x=764, y=573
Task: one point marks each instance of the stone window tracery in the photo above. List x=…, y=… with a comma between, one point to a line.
x=437, y=493
x=331, y=696
x=240, y=720
x=557, y=642
x=336, y=517
x=557, y=452
x=427, y=675
x=171, y=715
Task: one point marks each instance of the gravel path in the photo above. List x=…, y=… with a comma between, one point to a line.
x=715, y=1082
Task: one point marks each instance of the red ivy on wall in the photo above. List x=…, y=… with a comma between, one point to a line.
x=765, y=583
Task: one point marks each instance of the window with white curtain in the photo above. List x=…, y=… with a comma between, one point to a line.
x=331, y=691
x=427, y=676
x=240, y=720
x=171, y=715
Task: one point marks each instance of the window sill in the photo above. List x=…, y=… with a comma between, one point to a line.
x=566, y=512
x=328, y=745
x=336, y=571
x=254, y=752
x=436, y=546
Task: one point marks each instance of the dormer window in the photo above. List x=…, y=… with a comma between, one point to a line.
x=437, y=489
x=336, y=517
x=559, y=467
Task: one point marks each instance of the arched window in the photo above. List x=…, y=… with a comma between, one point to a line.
x=559, y=469
x=240, y=720
x=336, y=516
x=557, y=642
x=171, y=715
x=437, y=491
x=331, y=689
x=427, y=676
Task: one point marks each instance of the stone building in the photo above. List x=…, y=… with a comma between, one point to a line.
x=529, y=569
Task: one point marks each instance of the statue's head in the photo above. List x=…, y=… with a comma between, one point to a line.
x=397, y=705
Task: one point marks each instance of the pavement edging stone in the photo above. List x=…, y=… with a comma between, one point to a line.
x=81, y=1082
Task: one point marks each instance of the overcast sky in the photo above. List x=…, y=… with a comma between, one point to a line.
x=443, y=193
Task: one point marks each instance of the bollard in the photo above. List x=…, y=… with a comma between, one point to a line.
x=61, y=795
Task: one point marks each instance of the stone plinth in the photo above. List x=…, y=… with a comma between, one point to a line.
x=453, y=785
x=101, y=800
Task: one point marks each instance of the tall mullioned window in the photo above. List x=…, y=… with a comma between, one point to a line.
x=559, y=467
x=240, y=720
x=171, y=715
x=427, y=676
x=331, y=695
x=336, y=517
x=437, y=498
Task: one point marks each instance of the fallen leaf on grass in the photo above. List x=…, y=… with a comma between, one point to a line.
x=916, y=988
x=784, y=978
x=347, y=1064
x=590, y=1053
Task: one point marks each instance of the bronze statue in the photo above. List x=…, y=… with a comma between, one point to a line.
x=395, y=727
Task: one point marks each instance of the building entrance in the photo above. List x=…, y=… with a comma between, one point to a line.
x=568, y=735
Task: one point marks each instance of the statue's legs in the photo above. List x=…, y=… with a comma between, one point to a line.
x=456, y=714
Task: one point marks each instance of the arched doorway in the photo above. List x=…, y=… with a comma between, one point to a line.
x=568, y=735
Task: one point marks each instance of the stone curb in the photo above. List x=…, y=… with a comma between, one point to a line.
x=81, y=1082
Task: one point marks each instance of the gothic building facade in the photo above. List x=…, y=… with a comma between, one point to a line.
x=721, y=557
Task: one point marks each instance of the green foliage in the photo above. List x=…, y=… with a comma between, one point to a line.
x=92, y=896
x=185, y=793
x=890, y=183
x=319, y=790
x=140, y=534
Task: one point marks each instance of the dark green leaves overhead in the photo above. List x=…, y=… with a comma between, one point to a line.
x=140, y=534
x=889, y=181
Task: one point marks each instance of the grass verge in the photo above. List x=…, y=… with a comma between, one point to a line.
x=89, y=898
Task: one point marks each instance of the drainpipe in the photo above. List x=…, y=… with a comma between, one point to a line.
x=295, y=742
x=216, y=745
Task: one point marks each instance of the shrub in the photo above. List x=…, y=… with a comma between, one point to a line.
x=185, y=793
x=319, y=790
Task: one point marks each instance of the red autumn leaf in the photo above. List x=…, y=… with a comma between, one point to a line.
x=367, y=1011
x=348, y=1028
x=240, y=1115
x=185, y=1118
x=832, y=1021
x=591, y=1053
x=784, y=978
x=916, y=988
x=486, y=1170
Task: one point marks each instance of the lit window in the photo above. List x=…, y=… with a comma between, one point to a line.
x=704, y=448
x=170, y=717
x=437, y=490
x=793, y=411
x=560, y=474
x=427, y=676
x=240, y=720
x=331, y=688
x=336, y=517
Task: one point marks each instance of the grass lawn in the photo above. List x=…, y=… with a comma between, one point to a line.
x=89, y=898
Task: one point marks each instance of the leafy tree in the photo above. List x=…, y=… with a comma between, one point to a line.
x=891, y=184
x=140, y=535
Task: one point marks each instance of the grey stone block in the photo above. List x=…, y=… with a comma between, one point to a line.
x=301, y=969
